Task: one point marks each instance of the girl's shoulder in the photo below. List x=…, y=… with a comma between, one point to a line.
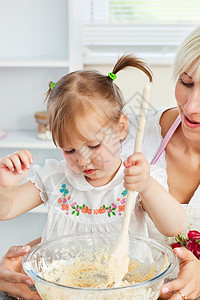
x=51, y=165
x=51, y=168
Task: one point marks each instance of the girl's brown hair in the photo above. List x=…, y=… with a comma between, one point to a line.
x=89, y=95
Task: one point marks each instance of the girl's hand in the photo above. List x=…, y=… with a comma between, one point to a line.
x=12, y=280
x=136, y=173
x=188, y=281
x=14, y=168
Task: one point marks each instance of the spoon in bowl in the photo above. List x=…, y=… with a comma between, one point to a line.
x=118, y=260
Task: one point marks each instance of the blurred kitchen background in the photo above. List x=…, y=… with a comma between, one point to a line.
x=42, y=40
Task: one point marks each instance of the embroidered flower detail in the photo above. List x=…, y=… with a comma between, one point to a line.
x=63, y=201
x=110, y=210
x=77, y=209
x=65, y=207
x=124, y=193
x=121, y=208
x=64, y=190
x=59, y=200
x=86, y=210
x=114, y=205
x=123, y=201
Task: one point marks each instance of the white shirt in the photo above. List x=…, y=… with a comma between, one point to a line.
x=75, y=206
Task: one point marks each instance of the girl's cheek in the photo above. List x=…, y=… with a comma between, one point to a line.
x=69, y=160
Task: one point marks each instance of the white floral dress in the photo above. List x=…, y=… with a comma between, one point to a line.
x=74, y=206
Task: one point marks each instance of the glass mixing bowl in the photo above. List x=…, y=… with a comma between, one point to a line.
x=153, y=262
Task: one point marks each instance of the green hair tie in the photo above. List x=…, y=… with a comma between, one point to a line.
x=112, y=75
x=52, y=85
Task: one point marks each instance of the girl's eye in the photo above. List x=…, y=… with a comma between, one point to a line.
x=69, y=151
x=96, y=146
x=187, y=84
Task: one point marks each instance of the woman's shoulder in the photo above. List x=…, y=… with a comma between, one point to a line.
x=167, y=119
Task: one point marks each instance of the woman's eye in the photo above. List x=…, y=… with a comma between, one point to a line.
x=96, y=146
x=187, y=84
x=69, y=151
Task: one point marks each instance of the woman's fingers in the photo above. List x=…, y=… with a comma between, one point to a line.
x=21, y=292
x=16, y=251
x=184, y=255
x=15, y=277
x=174, y=285
x=188, y=281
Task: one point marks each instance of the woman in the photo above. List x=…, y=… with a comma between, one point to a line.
x=181, y=159
x=172, y=141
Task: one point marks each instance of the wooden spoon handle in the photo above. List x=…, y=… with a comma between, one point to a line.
x=137, y=148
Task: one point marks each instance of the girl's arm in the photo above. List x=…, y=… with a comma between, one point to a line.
x=16, y=199
x=166, y=213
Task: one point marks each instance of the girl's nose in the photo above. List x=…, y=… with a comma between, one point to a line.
x=83, y=158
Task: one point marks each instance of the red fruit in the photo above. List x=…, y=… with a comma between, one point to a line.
x=193, y=235
x=176, y=245
x=194, y=247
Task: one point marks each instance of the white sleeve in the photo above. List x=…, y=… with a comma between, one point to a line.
x=44, y=178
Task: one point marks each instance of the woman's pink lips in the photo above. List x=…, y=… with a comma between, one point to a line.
x=190, y=123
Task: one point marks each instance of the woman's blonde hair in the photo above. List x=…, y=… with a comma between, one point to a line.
x=188, y=56
x=89, y=95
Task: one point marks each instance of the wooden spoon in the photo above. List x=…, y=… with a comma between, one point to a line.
x=119, y=260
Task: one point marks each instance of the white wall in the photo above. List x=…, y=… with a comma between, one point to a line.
x=132, y=81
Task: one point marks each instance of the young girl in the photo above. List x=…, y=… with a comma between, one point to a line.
x=86, y=192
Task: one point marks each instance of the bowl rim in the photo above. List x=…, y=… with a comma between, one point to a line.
x=171, y=266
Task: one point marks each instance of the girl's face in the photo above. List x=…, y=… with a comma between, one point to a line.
x=187, y=94
x=98, y=158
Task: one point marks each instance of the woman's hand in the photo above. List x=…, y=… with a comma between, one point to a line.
x=188, y=281
x=12, y=280
x=14, y=168
x=136, y=173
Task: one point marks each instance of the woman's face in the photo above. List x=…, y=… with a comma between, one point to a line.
x=187, y=95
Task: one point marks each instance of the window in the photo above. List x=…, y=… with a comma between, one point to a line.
x=152, y=29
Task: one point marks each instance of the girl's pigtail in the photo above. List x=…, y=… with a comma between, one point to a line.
x=131, y=61
x=51, y=85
